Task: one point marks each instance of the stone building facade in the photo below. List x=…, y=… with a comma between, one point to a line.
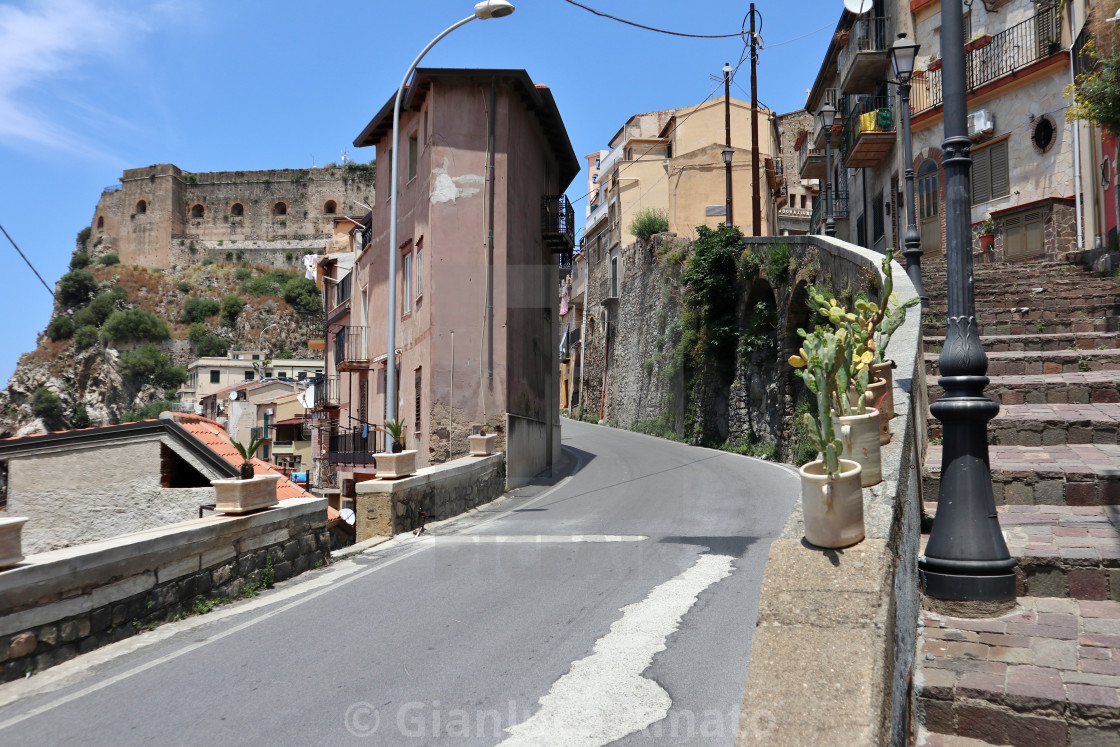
x=794, y=200
x=161, y=216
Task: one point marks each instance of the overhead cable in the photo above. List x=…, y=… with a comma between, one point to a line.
x=651, y=28
x=25, y=259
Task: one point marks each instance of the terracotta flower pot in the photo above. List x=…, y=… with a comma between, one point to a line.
x=987, y=241
x=242, y=496
x=832, y=505
x=483, y=444
x=885, y=371
x=11, y=540
x=394, y=466
x=860, y=436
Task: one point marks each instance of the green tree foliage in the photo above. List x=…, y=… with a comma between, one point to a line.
x=83, y=236
x=207, y=343
x=101, y=307
x=149, y=365
x=1096, y=92
x=709, y=278
x=148, y=411
x=242, y=274
x=303, y=296
x=108, y=260
x=79, y=260
x=231, y=309
x=134, y=325
x=80, y=417
x=60, y=328
x=649, y=221
x=199, y=309
x=183, y=286
x=86, y=337
x=75, y=288
x=47, y=406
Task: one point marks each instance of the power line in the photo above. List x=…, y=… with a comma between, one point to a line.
x=651, y=28
x=25, y=259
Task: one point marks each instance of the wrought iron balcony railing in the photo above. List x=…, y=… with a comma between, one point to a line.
x=350, y=446
x=869, y=129
x=342, y=289
x=558, y=223
x=349, y=347
x=261, y=432
x=839, y=210
x=865, y=56
x=326, y=392
x=989, y=58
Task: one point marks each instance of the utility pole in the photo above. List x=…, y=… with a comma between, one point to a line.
x=727, y=151
x=756, y=196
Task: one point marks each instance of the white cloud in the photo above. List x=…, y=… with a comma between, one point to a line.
x=45, y=43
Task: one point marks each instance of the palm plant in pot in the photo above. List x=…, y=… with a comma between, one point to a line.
x=249, y=492
x=831, y=493
x=246, y=453
x=394, y=429
x=398, y=461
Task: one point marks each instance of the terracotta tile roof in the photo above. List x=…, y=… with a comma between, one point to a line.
x=215, y=437
x=69, y=430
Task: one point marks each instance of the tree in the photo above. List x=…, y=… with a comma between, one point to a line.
x=75, y=288
x=148, y=411
x=79, y=260
x=148, y=364
x=199, y=309
x=85, y=337
x=109, y=260
x=303, y=295
x=231, y=309
x=205, y=342
x=47, y=406
x=1096, y=92
x=134, y=325
x=60, y=328
x=101, y=307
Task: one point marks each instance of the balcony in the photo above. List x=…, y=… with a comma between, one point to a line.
x=349, y=346
x=558, y=224
x=810, y=162
x=326, y=392
x=831, y=96
x=839, y=210
x=351, y=447
x=317, y=336
x=869, y=132
x=264, y=433
x=989, y=58
x=865, y=61
x=342, y=289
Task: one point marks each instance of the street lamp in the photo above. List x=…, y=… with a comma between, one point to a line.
x=966, y=558
x=259, y=365
x=483, y=10
x=728, y=152
x=828, y=118
x=903, y=52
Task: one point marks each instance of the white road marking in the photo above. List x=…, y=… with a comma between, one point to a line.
x=518, y=539
x=604, y=696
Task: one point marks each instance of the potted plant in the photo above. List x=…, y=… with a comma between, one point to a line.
x=831, y=494
x=978, y=41
x=11, y=540
x=934, y=65
x=885, y=321
x=397, y=462
x=249, y=492
x=987, y=234
x=482, y=443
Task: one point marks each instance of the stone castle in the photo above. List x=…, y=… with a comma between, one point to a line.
x=161, y=216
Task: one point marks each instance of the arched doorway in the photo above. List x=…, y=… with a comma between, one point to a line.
x=928, y=198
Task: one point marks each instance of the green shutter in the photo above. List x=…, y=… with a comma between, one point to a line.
x=981, y=176
x=1000, y=184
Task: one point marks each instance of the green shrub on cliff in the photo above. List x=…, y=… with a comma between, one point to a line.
x=134, y=325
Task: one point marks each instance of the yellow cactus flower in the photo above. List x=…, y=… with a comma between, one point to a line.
x=797, y=361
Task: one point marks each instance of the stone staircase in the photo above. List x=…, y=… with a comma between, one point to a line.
x=1047, y=673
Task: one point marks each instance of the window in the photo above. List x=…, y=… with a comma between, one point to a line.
x=280, y=209
x=237, y=210
x=419, y=269
x=100, y=221
x=418, y=390
x=301, y=375
x=331, y=207
x=413, y=153
x=282, y=374
x=989, y=173
x=249, y=375
x=596, y=163
x=142, y=207
x=594, y=178
x=256, y=356
x=197, y=211
x=1044, y=132
x=878, y=227
x=264, y=452
x=406, y=282
x=927, y=190
x=215, y=376
x=614, y=274
x=363, y=399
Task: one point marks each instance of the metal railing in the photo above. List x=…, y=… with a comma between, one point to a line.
x=806, y=152
x=865, y=35
x=326, y=391
x=342, y=289
x=349, y=446
x=990, y=58
x=558, y=220
x=866, y=114
x=839, y=210
x=349, y=345
x=261, y=432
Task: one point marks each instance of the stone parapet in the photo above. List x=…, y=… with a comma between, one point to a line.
x=62, y=603
x=388, y=507
x=834, y=642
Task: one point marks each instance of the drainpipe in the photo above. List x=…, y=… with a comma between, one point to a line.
x=1076, y=130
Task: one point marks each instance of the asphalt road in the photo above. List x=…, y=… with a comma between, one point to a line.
x=612, y=605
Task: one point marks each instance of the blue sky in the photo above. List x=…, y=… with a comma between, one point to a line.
x=91, y=87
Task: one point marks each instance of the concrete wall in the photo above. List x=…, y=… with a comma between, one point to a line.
x=388, y=507
x=527, y=449
x=845, y=620
x=69, y=503
x=59, y=604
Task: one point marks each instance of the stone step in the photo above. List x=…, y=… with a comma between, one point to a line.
x=1064, y=474
x=1066, y=341
x=1049, y=425
x=1054, y=310
x=1018, y=363
x=1016, y=293
x=1047, y=673
x=1074, y=388
x=935, y=326
x=1064, y=551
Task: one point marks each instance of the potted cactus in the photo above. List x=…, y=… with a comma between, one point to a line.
x=831, y=493
x=249, y=492
x=884, y=321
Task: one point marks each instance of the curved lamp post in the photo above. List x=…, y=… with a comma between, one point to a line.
x=828, y=118
x=966, y=558
x=903, y=52
x=483, y=10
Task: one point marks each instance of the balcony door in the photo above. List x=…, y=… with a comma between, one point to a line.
x=928, y=201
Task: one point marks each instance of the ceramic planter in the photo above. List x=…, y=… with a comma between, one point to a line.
x=860, y=436
x=875, y=394
x=832, y=505
x=394, y=466
x=11, y=540
x=987, y=241
x=885, y=371
x=483, y=445
x=242, y=496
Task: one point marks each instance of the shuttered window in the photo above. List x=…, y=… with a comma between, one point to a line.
x=989, y=173
x=1024, y=234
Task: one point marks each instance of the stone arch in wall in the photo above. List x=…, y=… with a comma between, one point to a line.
x=930, y=228
x=330, y=207
x=280, y=208
x=237, y=210
x=141, y=207
x=198, y=210
x=100, y=222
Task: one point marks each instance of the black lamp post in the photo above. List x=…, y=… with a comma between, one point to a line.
x=828, y=118
x=903, y=52
x=966, y=558
x=728, y=152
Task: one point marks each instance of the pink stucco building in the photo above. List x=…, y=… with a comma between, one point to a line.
x=484, y=164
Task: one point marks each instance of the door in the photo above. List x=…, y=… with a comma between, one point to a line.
x=928, y=203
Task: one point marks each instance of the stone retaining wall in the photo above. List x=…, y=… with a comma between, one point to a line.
x=66, y=602
x=389, y=507
x=833, y=648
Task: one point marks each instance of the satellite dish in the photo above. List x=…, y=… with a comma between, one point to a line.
x=347, y=515
x=859, y=7
x=233, y=395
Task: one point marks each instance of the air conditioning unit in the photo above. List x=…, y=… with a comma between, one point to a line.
x=981, y=124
